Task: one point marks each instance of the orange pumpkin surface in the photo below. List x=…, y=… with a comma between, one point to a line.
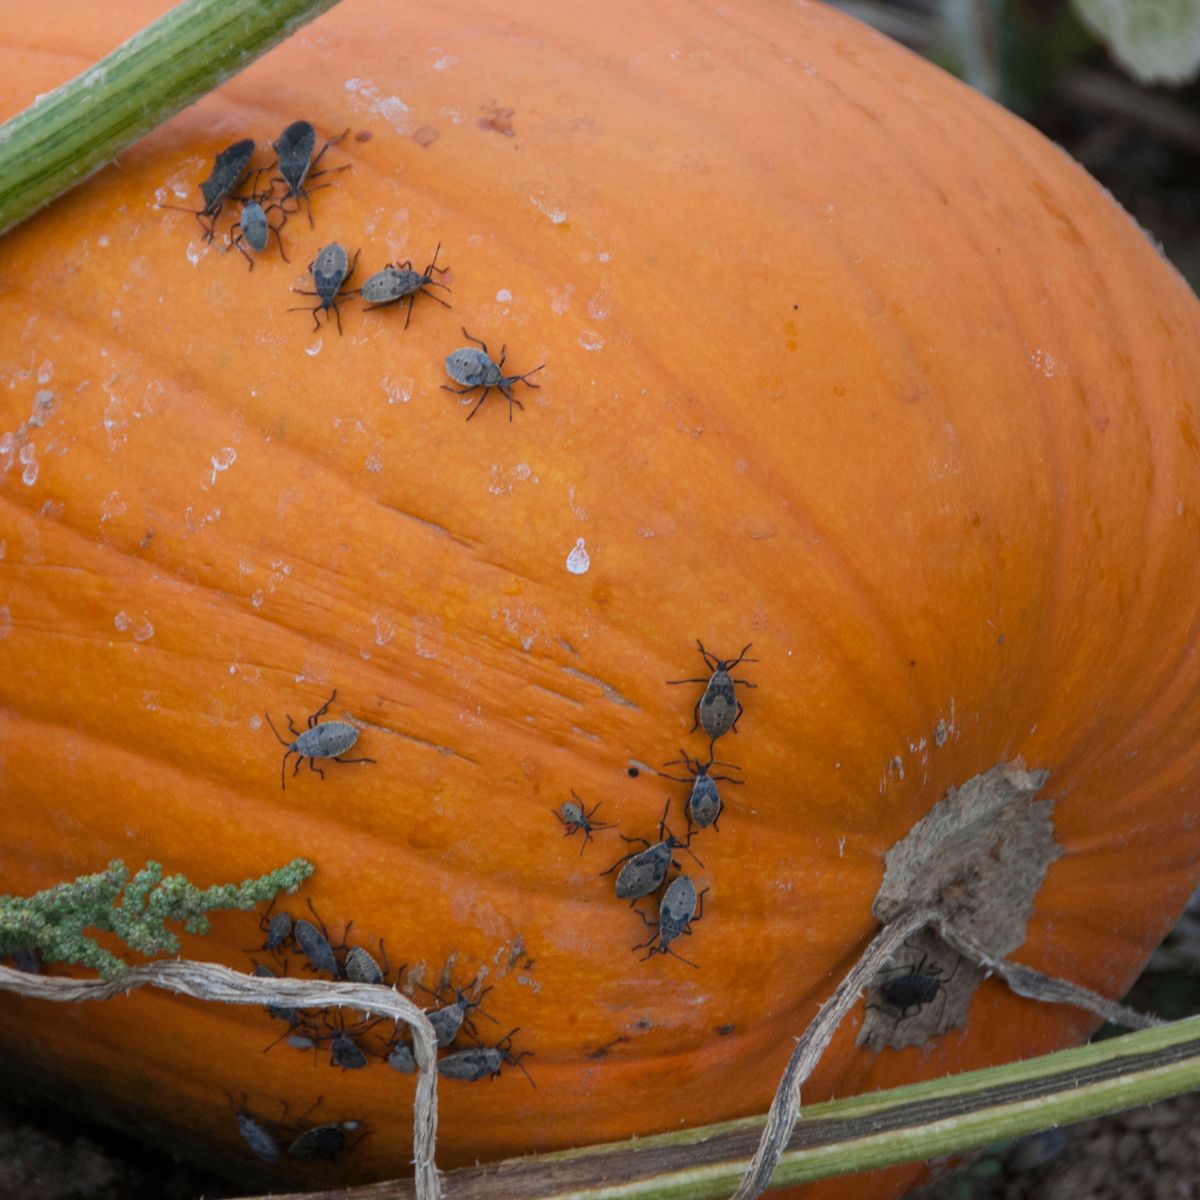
x=841, y=360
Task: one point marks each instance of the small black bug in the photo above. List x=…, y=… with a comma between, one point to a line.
x=324, y=1142
x=278, y=928
x=322, y=739
x=475, y=369
x=704, y=803
x=228, y=168
x=679, y=910
x=344, y=1049
x=718, y=710
x=262, y=1142
x=643, y=871
x=484, y=1062
x=330, y=269
x=398, y=282
x=912, y=987
x=294, y=146
x=573, y=817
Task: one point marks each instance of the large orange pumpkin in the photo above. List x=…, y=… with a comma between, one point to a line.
x=841, y=360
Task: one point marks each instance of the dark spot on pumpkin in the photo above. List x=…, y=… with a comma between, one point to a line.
x=426, y=135
x=498, y=120
x=363, y=135
x=724, y=1030
x=633, y=772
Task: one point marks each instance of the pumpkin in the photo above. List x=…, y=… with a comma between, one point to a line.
x=841, y=361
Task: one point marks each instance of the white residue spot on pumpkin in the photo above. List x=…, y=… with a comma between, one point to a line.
x=111, y=508
x=603, y=256
x=446, y=60
x=384, y=629
x=591, y=341
x=315, y=349
x=560, y=298
x=557, y=215
x=503, y=481
x=578, y=560
x=373, y=463
x=221, y=461
x=196, y=251
x=368, y=96
x=1044, y=363
x=895, y=767
x=6, y=621
x=504, y=295
x=600, y=305
x=122, y=621
x=255, y=722
x=398, y=390
x=102, y=240
x=45, y=372
x=256, y=598
x=139, y=627
x=28, y=456
x=577, y=509
x=428, y=637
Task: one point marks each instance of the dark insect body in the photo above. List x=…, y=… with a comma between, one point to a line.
x=361, y=966
x=911, y=988
x=475, y=369
x=484, y=1062
x=402, y=1059
x=322, y=739
x=399, y=282
x=294, y=146
x=573, y=818
x=254, y=230
x=279, y=1011
x=643, y=871
x=448, y=1019
x=323, y=1142
x=228, y=168
x=277, y=927
x=704, y=803
x=330, y=269
x=679, y=910
x=718, y=710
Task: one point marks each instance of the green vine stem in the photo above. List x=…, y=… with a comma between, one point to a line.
x=66, y=135
x=843, y=1137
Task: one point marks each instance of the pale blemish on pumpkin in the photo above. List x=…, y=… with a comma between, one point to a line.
x=577, y=509
x=315, y=349
x=610, y=692
x=578, y=560
x=503, y=481
x=6, y=621
x=447, y=60
x=384, y=629
x=591, y=341
x=221, y=461
x=112, y=508
x=503, y=296
x=367, y=96
x=398, y=391
x=139, y=628
x=28, y=456
x=560, y=298
x=558, y=216
x=1044, y=363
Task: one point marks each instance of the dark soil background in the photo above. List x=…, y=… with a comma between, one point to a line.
x=1143, y=144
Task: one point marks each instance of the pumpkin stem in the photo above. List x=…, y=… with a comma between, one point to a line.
x=67, y=134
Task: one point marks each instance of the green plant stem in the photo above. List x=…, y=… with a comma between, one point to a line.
x=69, y=133
x=862, y=1133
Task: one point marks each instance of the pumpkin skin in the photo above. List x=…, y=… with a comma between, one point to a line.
x=841, y=360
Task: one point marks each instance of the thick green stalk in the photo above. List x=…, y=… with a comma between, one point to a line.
x=74, y=130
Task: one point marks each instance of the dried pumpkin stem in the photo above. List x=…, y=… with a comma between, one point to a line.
x=208, y=981
x=66, y=135
x=785, y=1108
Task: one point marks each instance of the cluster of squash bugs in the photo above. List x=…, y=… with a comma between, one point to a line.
x=270, y=1140
x=354, y=1045
x=297, y=166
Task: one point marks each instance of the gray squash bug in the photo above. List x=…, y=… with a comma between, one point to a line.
x=475, y=369
x=361, y=966
x=679, y=909
x=315, y=945
x=324, y=1142
x=484, y=1062
x=253, y=229
x=643, y=871
x=262, y=1142
x=398, y=282
x=277, y=927
x=228, y=168
x=402, y=1059
x=322, y=739
x=279, y=1011
x=704, y=803
x=718, y=710
x=294, y=146
x=573, y=817
x=330, y=269
x=448, y=1019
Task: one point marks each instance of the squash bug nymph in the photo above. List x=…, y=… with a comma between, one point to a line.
x=704, y=804
x=262, y=1142
x=399, y=282
x=324, y=1142
x=573, y=818
x=294, y=146
x=322, y=739
x=678, y=911
x=718, y=710
x=330, y=269
x=643, y=871
x=484, y=1062
x=253, y=229
x=228, y=168
x=914, y=985
x=475, y=369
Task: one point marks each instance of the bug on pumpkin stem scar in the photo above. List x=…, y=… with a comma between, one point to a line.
x=321, y=739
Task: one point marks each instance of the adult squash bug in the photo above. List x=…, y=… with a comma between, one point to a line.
x=330, y=269
x=704, y=803
x=314, y=944
x=324, y=1142
x=644, y=870
x=228, y=168
x=448, y=1019
x=402, y=1058
x=399, y=282
x=294, y=146
x=361, y=966
x=475, y=369
x=262, y=1142
x=253, y=229
x=718, y=710
x=322, y=739
x=679, y=909
x=573, y=818
x=484, y=1062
